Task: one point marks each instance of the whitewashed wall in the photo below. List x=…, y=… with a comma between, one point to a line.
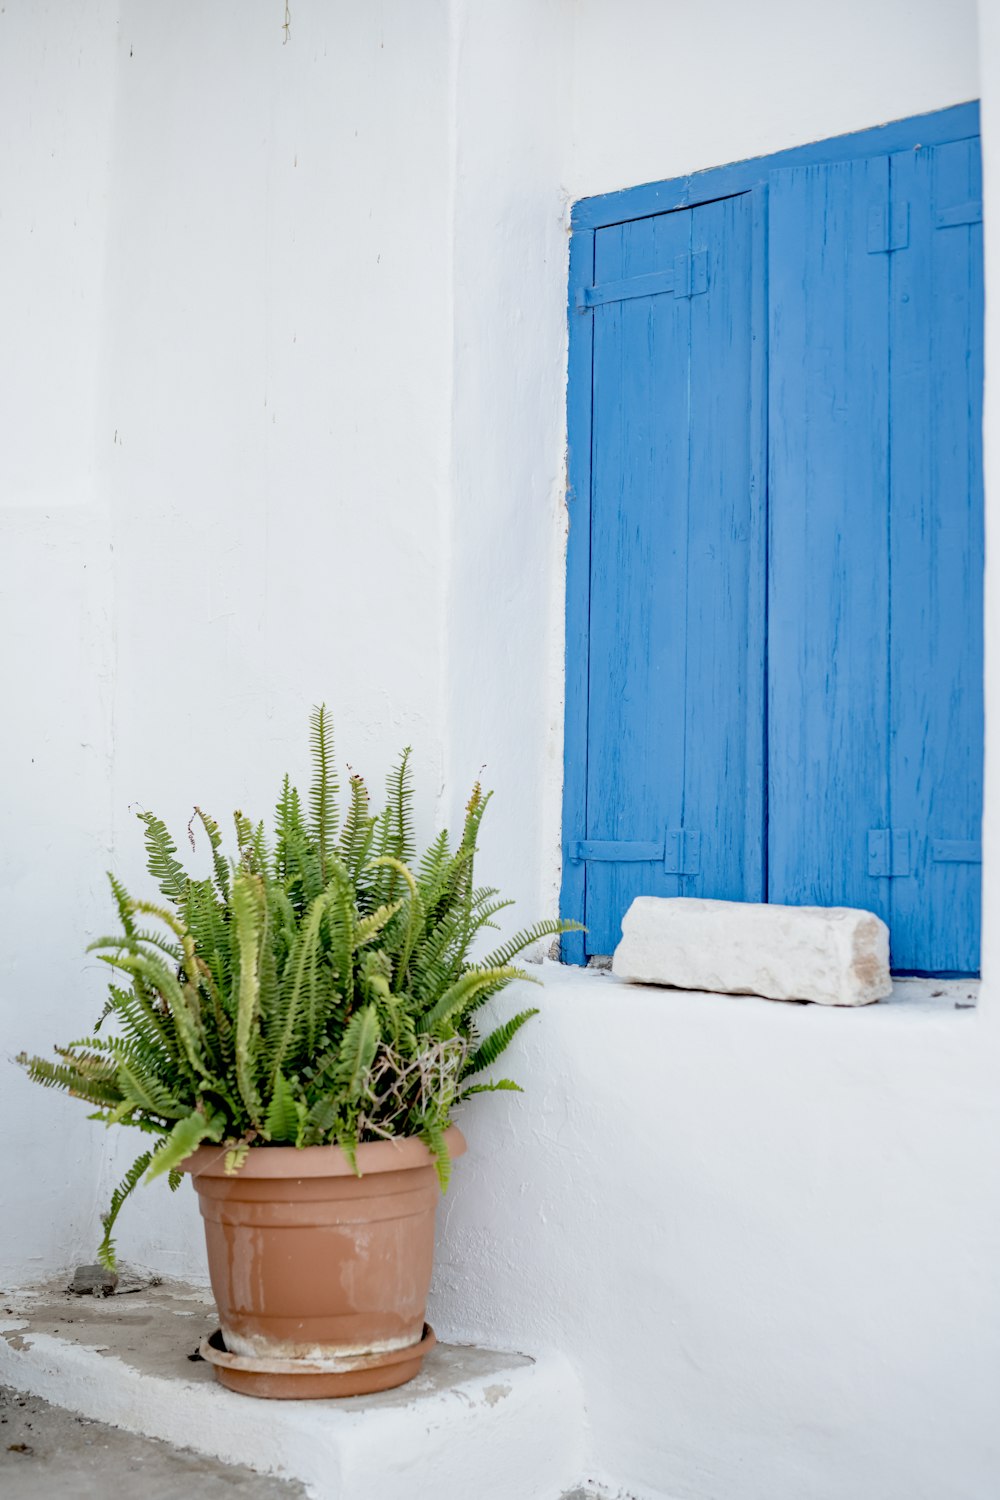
x=507, y=521
x=278, y=378
x=284, y=372
x=765, y=1236
x=57, y=81
x=224, y=473
x=663, y=89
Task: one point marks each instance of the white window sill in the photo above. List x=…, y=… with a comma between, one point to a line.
x=912, y=1000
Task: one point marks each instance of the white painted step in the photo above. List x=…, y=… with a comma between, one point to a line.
x=475, y=1423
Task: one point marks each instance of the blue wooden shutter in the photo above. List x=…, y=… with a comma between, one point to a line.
x=875, y=575
x=936, y=528
x=675, y=714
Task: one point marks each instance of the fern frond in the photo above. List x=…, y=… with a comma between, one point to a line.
x=106, y=1249
x=152, y=972
x=324, y=788
x=136, y=940
x=496, y=1042
x=246, y=841
x=321, y=1120
x=525, y=938
x=141, y=1021
x=341, y=931
x=398, y=833
x=464, y=996
x=414, y=917
x=219, y=863
x=502, y=1085
x=177, y=925
x=93, y=1059
x=235, y=1157
x=302, y=1000
x=369, y=927
x=356, y=1053
x=432, y=1136
x=69, y=1078
x=246, y=925
x=186, y=1136
x=124, y=904
x=433, y=860
x=161, y=859
x=358, y=830
x=347, y=1140
x=282, y=1122
x=289, y=829
x=268, y=1000
x=142, y=1091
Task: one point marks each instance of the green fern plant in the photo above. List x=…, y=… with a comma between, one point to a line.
x=316, y=989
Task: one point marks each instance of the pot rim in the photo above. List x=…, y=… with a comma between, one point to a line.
x=398, y=1155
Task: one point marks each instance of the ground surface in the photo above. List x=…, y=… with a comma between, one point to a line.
x=47, y=1453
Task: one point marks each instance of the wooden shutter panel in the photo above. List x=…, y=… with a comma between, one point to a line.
x=936, y=530
x=875, y=587
x=675, y=715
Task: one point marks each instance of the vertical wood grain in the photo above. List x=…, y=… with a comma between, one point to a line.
x=723, y=738
x=829, y=544
x=936, y=530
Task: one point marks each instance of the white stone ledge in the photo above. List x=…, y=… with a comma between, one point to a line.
x=913, y=1001
x=474, y=1422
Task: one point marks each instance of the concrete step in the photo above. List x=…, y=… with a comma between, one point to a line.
x=49, y=1453
x=474, y=1423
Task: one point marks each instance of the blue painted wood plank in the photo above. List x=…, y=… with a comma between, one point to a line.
x=960, y=121
x=755, y=804
x=723, y=728
x=936, y=532
x=829, y=546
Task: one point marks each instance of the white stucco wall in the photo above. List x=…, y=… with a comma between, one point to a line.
x=766, y=1233
x=507, y=522
x=57, y=73
x=279, y=383
x=224, y=477
x=285, y=379
x=766, y=1238
x=664, y=89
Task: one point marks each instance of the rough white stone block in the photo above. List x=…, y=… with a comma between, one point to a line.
x=834, y=955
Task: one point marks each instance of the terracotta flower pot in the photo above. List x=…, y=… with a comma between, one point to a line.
x=311, y=1263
